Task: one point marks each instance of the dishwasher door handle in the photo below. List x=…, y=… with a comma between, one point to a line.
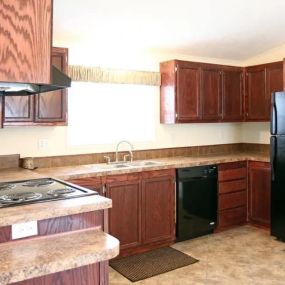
x=196, y=178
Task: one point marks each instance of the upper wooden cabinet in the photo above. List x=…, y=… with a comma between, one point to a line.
x=188, y=88
x=52, y=106
x=200, y=92
x=261, y=81
x=26, y=37
x=211, y=94
x=232, y=102
x=180, y=92
x=48, y=108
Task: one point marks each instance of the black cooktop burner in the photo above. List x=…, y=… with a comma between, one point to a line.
x=16, y=193
x=20, y=197
x=63, y=191
x=38, y=183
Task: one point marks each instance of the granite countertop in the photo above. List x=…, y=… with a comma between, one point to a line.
x=38, y=211
x=91, y=170
x=31, y=258
x=52, y=209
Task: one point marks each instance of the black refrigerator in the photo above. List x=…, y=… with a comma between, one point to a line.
x=277, y=144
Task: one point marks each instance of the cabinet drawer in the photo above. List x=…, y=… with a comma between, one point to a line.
x=232, y=186
x=232, y=174
x=232, y=217
x=232, y=200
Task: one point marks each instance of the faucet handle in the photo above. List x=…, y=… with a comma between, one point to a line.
x=108, y=159
x=125, y=157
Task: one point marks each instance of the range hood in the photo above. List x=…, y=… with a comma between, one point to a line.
x=58, y=81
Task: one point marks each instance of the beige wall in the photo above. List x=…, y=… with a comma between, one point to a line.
x=25, y=140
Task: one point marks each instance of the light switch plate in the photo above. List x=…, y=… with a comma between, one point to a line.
x=22, y=230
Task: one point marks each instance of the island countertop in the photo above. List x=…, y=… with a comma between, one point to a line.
x=32, y=258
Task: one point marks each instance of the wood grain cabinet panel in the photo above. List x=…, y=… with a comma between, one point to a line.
x=259, y=186
x=52, y=106
x=232, y=217
x=143, y=211
x=256, y=94
x=233, y=99
x=274, y=83
x=125, y=214
x=211, y=95
x=48, y=108
x=261, y=81
x=19, y=108
x=188, y=94
x=2, y=104
x=232, y=197
x=26, y=36
x=158, y=209
x=200, y=92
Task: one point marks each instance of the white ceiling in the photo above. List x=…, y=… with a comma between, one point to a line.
x=229, y=29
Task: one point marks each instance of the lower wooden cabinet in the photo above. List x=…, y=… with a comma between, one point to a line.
x=125, y=214
x=158, y=206
x=232, y=197
x=259, y=187
x=143, y=211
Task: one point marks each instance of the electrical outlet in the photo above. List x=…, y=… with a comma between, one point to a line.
x=22, y=230
x=43, y=144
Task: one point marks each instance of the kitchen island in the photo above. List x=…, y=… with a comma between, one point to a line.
x=71, y=245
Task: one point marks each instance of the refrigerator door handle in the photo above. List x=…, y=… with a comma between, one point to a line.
x=273, y=124
x=273, y=157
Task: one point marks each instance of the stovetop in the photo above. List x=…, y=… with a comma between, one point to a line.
x=39, y=190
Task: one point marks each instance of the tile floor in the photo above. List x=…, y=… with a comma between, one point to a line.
x=241, y=256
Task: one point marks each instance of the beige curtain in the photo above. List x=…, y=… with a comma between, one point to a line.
x=101, y=75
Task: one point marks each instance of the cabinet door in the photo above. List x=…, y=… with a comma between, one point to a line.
x=25, y=36
x=232, y=82
x=158, y=207
x=274, y=82
x=259, y=192
x=211, y=95
x=19, y=109
x=52, y=106
x=125, y=216
x=256, y=94
x=188, y=94
x=1, y=111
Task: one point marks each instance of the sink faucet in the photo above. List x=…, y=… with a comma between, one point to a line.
x=130, y=150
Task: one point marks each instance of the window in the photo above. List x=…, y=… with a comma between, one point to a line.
x=106, y=113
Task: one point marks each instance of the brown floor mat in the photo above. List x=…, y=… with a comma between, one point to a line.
x=148, y=264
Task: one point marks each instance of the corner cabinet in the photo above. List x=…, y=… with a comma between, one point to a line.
x=261, y=81
x=143, y=213
x=259, y=187
x=48, y=108
x=200, y=92
x=26, y=37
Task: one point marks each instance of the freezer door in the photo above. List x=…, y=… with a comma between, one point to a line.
x=278, y=114
x=278, y=187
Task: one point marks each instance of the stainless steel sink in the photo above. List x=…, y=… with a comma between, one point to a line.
x=123, y=165
x=115, y=166
x=144, y=163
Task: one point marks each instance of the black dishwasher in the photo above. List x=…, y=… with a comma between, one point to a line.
x=196, y=201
